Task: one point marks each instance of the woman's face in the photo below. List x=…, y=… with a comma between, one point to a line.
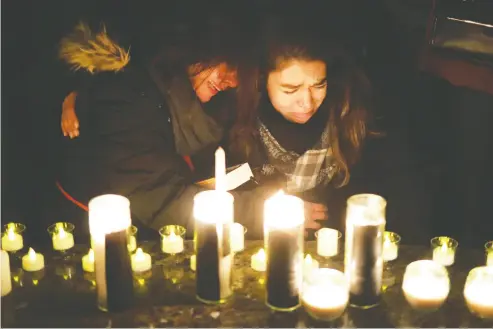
x=211, y=81
x=297, y=89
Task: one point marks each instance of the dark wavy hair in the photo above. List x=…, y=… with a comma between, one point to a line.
x=348, y=90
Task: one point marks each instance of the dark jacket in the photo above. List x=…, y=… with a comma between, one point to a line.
x=136, y=127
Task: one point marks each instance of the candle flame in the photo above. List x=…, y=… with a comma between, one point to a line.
x=90, y=255
x=10, y=234
x=61, y=232
x=171, y=235
x=444, y=247
x=139, y=254
x=308, y=259
x=261, y=254
x=31, y=254
x=11, y=226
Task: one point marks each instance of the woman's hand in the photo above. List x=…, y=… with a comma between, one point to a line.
x=70, y=122
x=315, y=212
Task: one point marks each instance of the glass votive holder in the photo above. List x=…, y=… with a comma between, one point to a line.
x=12, y=240
x=62, y=236
x=391, y=243
x=172, y=237
x=478, y=292
x=325, y=294
x=328, y=242
x=488, y=248
x=426, y=285
x=444, y=250
x=132, y=238
x=237, y=237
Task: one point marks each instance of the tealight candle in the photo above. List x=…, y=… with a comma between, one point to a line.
x=6, y=280
x=172, y=241
x=488, y=247
x=326, y=295
x=444, y=250
x=88, y=261
x=12, y=239
x=33, y=261
x=390, y=246
x=309, y=266
x=327, y=242
x=62, y=236
x=237, y=237
x=193, y=262
x=141, y=261
x=426, y=285
x=259, y=261
x=478, y=291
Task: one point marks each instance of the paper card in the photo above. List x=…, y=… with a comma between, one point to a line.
x=235, y=177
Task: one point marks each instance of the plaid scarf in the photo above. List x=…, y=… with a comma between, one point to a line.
x=303, y=172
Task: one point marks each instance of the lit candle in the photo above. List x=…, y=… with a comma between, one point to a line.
x=444, y=250
x=488, y=247
x=88, y=261
x=6, y=281
x=284, y=217
x=326, y=295
x=172, y=243
x=193, y=262
x=141, y=261
x=220, y=170
x=426, y=285
x=489, y=259
x=33, y=261
x=237, y=237
x=11, y=240
x=62, y=240
x=309, y=266
x=258, y=261
x=478, y=291
x=132, y=243
x=390, y=246
x=109, y=220
x=327, y=242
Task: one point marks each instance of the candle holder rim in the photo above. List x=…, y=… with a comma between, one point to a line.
x=19, y=227
x=438, y=241
x=488, y=246
x=67, y=227
x=177, y=229
x=352, y=200
x=429, y=262
x=339, y=233
x=393, y=237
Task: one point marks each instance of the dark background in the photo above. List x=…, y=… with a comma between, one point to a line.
x=434, y=166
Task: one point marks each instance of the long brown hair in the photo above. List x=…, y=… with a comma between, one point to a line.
x=348, y=90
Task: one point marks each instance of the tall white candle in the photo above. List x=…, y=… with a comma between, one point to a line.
x=327, y=242
x=6, y=280
x=12, y=241
x=33, y=261
x=237, y=237
x=220, y=169
x=62, y=240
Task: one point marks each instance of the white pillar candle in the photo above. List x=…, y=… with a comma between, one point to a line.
x=172, y=243
x=426, y=285
x=33, y=261
x=193, y=262
x=309, y=266
x=327, y=242
x=489, y=259
x=259, y=261
x=390, y=250
x=12, y=241
x=326, y=296
x=88, y=261
x=132, y=243
x=62, y=240
x=141, y=261
x=237, y=237
x=444, y=255
x=6, y=280
x=220, y=170
x=478, y=292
